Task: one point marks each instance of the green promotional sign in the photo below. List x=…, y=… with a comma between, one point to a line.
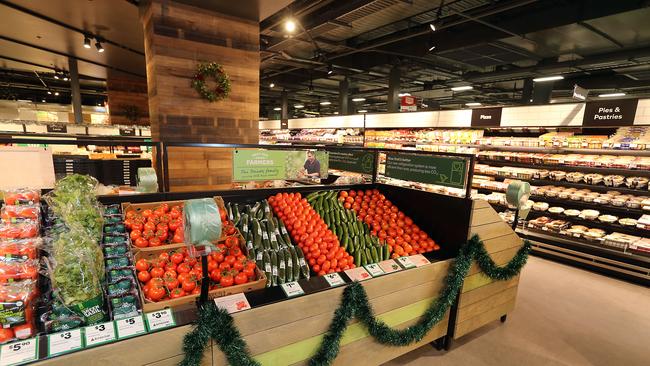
x=259, y=165
x=357, y=161
x=441, y=170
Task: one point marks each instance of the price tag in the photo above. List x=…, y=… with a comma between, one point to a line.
x=159, y=320
x=389, y=266
x=419, y=260
x=292, y=289
x=405, y=262
x=358, y=274
x=64, y=342
x=334, y=279
x=233, y=303
x=130, y=327
x=19, y=352
x=374, y=270
x=99, y=334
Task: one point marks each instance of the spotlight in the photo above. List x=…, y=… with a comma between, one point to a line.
x=43, y=100
x=549, y=78
x=432, y=26
x=325, y=103
x=290, y=26
x=298, y=106
x=404, y=94
x=330, y=70
x=49, y=92
x=56, y=93
x=272, y=85
x=462, y=88
x=65, y=78
x=611, y=95
x=277, y=109
x=432, y=47
x=56, y=75
x=86, y=42
x=99, y=47
x=362, y=111
x=358, y=99
x=473, y=104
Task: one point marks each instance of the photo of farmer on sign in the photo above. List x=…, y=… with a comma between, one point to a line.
x=312, y=166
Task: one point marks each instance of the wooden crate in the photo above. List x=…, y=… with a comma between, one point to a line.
x=148, y=306
x=138, y=207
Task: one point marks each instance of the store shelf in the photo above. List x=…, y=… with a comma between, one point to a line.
x=640, y=262
x=322, y=143
x=562, y=150
x=568, y=168
x=563, y=183
x=592, y=224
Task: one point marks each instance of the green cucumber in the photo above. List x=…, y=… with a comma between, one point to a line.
x=304, y=269
x=294, y=263
x=357, y=258
x=288, y=277
x=268, y=269
x=274, y=268
x=282, y=268
x=386, y=252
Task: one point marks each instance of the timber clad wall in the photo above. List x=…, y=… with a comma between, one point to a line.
x=483, y=300
x=127, y=92
x=179, y=37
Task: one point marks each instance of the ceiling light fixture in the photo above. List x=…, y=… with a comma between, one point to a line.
x=473, y=104
x=277, y=109
x=298, y=106
x=358, y=99
x=325, y=103
x=336, y=112
x=290, y=25
x=462, y=88
x=272, y=85
x=56, y=93
x=65, y=78
x=362, y=111
x=86, y=42
x=49, y=92
x=330, y=70
x=404, y=94
x=433, y=47
x=56, y=75
x=611, y=95
x=432, y=26
x=548, y=78
x=99, y=47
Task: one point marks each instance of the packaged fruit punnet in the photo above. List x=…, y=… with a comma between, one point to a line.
x=12, y=250
x=154, y=227
x=21, y=196
x=17, y=310
x=19, y=230
x=11, y=213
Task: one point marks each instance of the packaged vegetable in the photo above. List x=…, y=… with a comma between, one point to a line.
x=120, y=274
x=112, y=210
x=19, y=250
x=10, y=213
x=22, y=196
x=15, y=271
x=17, y=303
x=115, y=239
x=115, y=263
x=19, y=230
x=115, y=251
x=125, y=306
x=121, y=287
x=112, y=219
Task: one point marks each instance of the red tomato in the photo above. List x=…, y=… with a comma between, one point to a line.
x=230, y=260
x=147, y=213
x=183, y=277
x=154, y=242
x=218, y=257
x=215, y=275
x=188, y=285
x=226, y=281
x=137, y=226
x=174, y=224
x=141, y=243
x=175, y=213
x=142, y=265
x=183, y=268
x=157, y=272
x=232, y=242
x=6, y=334
x=135, y=234
x=176, y=293
x=241, y=278
x=170, y=273
x=170, y=267
x=144, y=276
x=164, y=207
x=171, y=283
x=156, y=293
x=249, y=272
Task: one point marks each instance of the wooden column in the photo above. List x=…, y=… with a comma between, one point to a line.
x=177, y=38
x=128, y=102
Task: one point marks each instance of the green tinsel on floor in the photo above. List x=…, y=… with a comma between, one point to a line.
x=219, y=325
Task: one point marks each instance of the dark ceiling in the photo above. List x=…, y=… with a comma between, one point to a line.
x=495, y=46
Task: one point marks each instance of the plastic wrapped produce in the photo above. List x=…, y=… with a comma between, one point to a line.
x=11, y=214
x=21, y=196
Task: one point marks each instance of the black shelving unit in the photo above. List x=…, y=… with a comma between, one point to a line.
x=568, y=168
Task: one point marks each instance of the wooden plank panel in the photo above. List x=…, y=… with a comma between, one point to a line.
x=174, y=361
x=475, y=281
x=486, y=305
x=481, y=320
x=256, y=320
x=489, y=231
x=268, y=340
x=484, y=292
x=168, y=343
x=478, y=204
x=501, y=243
x=500, y=258
x=483, y=216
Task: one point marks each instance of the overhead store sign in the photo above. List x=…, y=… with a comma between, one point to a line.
x=128, y=131
x=357, y=161
x=619, y=112
x=57, y=128
x=408, y=104
x=430, y=169
x=486, y=117
x=284, y=124
x=580, y=93
x=259, y=165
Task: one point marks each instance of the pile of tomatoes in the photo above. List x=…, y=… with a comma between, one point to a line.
x=320, y=245
x=388, y=223
x=160, y=226
x=175, y=274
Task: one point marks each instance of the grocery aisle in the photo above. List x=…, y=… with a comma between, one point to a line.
x=564, y=316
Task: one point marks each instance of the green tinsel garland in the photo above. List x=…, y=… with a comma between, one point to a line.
x=219, y=325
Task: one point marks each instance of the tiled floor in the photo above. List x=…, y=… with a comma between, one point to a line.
x=563, y=316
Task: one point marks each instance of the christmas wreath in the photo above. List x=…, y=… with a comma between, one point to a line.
x=215, y=71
